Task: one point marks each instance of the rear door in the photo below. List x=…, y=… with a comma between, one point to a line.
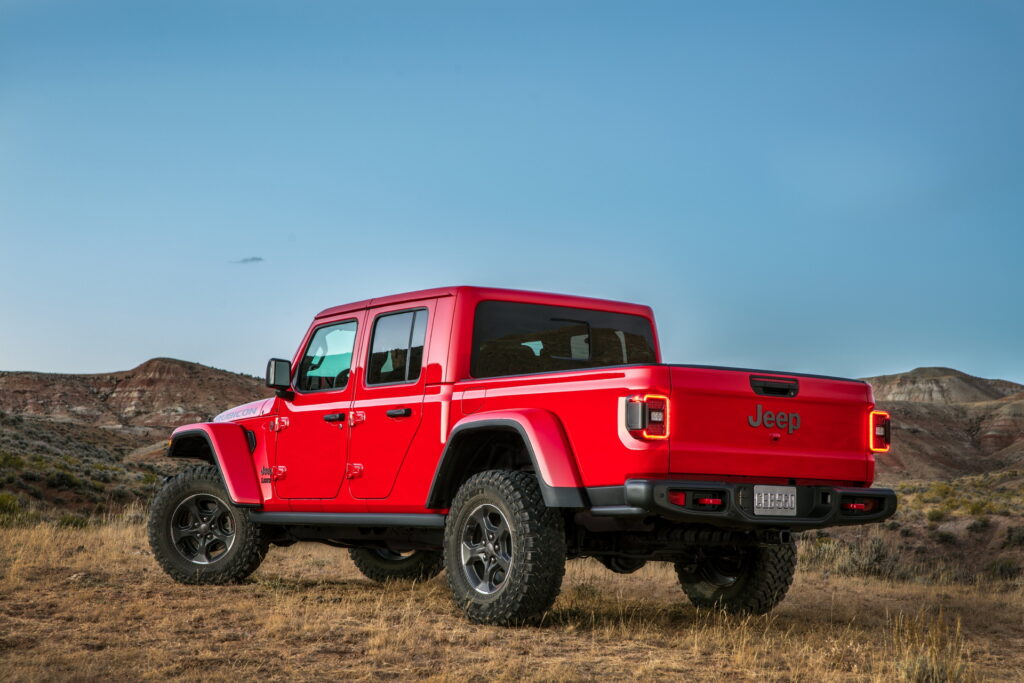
x=312, y=435
x=388, y=405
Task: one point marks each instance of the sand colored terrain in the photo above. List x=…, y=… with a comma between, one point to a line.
x=91, y=604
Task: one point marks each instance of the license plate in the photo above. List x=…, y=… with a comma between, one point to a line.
x=775, y=500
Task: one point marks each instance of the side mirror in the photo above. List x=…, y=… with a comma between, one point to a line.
x=279, y=374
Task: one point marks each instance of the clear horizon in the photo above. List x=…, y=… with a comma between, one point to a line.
x=825, y=188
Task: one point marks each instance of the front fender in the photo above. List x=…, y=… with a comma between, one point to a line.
x=225, y=445
x=546, y=444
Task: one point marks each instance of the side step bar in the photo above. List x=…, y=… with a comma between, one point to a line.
x=428, y=521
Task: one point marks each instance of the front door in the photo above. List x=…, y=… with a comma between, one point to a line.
x=388, y=405
x=312, y=429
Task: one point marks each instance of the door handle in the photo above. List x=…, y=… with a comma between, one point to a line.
x=334, y=417
x=399, y=412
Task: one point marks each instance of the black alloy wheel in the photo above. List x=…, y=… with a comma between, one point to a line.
x=202, y=529
x=486, y=549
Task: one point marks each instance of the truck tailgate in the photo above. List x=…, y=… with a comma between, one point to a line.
x=756, y=424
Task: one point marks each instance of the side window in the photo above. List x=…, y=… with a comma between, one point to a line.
x=328, y=358
x=396, y=351
x=511, y=338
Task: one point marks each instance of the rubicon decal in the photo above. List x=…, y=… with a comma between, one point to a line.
x=780, y=420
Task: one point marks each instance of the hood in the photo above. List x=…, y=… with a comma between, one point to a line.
x=246, y=411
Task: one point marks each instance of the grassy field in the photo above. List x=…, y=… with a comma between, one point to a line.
x=90, y=603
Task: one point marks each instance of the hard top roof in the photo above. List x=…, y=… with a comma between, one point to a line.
x=483, y=293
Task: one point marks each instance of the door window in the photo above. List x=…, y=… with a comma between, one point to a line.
x=328, y=358
x=396, y=352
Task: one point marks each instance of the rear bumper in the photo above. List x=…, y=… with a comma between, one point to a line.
x=817, y=507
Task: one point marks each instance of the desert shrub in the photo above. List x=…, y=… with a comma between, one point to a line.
x=1003, y=568
x=979, y=525
x=72, y=521
x=938, y=493
x=1014, y=537
x=871, y=559
x=11, y=461
x=976, y=507
x=936, y=515
x=945, y=537
x=30, y=475
x=865, y=557
x=13, y=512
x=9, y=503
x=64, y=481
x=120, y=494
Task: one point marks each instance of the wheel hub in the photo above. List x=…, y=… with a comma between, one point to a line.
x=202, y=528
x=486, y=549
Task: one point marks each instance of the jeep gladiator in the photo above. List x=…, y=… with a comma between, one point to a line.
x=496, y=433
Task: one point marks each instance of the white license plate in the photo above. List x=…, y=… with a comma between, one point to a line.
x=775, y=500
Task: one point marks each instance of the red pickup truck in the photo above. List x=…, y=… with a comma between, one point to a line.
x=496, y=433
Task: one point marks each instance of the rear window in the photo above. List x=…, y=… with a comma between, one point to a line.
x=516, y=339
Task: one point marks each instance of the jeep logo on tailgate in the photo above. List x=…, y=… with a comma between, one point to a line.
x=780, y=420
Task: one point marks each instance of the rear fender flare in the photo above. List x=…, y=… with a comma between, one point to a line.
x=224, y=445
x=546, y=444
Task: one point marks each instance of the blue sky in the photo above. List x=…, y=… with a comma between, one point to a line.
x=823, y=187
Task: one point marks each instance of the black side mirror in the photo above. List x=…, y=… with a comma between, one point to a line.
x=279, y=374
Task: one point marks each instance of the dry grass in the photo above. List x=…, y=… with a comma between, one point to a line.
x=90, y=603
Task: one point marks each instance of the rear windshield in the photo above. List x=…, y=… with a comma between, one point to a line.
x=517, y=339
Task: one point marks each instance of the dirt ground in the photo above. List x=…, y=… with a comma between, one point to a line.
x=91, y=604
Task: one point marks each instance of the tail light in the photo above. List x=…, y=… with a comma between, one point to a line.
x=880, y=434
x=855, y=505
x=647, y=416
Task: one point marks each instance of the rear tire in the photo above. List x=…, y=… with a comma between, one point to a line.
x=198, y=536
x=504, y=549
x=740, y=580
x=380, y=564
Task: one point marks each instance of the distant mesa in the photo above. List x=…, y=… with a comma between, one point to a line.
x=948, y=423
x=941, y=385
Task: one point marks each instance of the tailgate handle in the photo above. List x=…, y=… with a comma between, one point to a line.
x=774, y=386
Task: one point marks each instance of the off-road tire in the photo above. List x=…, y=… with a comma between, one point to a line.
x=534, y=576
x=381, y=566
x=246, y=552
x=760, y=584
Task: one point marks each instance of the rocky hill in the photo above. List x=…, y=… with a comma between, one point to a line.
x=941, y=385
x=948, y=423
x=160, y=393
x=86, y=442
